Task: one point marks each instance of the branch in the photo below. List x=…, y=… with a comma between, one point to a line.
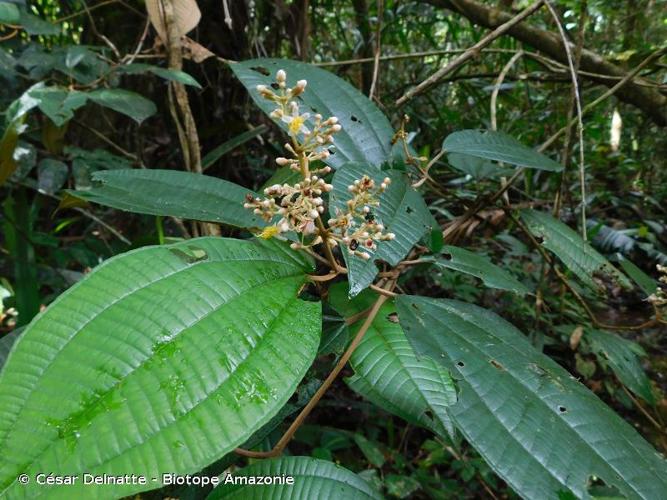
x=468, y=54
x=648, y=100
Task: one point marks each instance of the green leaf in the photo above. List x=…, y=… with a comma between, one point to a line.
x=33, y=25
x=498, y=146
x=402, y=210
x=123, y=101
x=389, y=374
x=58, y=103
x=313, y=479
x=9, y=13
x=51, y=175
x=172, y=193
x=15, y=117
x=579, y=257
x=370, y=450
x=169, y=357
x=366, y=133
x=477, y=168
x=536, y=426
x=230, y=145
x=641, y=279
x=173, y=75
x=471, y=263
x=401, y=486
x=623, y=357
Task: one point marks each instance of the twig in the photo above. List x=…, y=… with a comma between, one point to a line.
x=580, y=122
x=643, y=410
x=108, y=141
x=468, y=54
x=494, y=99
x=378, y=47
x=286, y=438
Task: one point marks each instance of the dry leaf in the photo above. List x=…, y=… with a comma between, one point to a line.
x=194, y=51
x=186, y=15
x=575, y=338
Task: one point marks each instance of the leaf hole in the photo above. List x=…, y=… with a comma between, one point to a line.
x=408, y=210
x=261, y=70
x=429, y=414
x=393, y=317
x=562, y=409
x=355, y=119
x=275, y=86
x=460, y=364
x=447, y=256
x=496, y=365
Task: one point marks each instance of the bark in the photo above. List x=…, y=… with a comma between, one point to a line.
x=648, y=100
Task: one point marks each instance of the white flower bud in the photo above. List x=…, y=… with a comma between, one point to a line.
x=281, y=76
x=283, y=226
x=257, y=211
x=391, y=236
x=364, y=256
x=366, y=209
x=282, y=161
x=318, y=201
x=387, y=180
x=301, y=85
x=314, y=214
x=295, y=246
x=247, y=205
x=383, y=186
x=350, y=188
x=333, y=120
x=261, y=88
x=327, y=187
x=336, y=128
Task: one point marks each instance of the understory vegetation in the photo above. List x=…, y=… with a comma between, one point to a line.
x=367, y=249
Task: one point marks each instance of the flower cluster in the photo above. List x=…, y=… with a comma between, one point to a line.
x=356, y=227
x=298, y=207
x=314, y=144
x=659, y=298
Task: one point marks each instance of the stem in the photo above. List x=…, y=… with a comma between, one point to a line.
x=282, y=443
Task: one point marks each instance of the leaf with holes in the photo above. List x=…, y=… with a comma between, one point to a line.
x=471, y=263
x=169, y=358
x=389, y=374
x=622, y=356
x=498, y=146
x=366, y=133
x=172, y=193
x=542, y=431
x=402, y=211
x=313, y=478
x=579, y=257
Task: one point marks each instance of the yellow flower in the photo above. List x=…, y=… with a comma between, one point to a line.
x=296, y=123
x=269, y=232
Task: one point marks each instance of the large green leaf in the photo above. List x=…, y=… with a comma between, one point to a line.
x=471, y=263
x=233, y=143
x=622, y=356
x=579, y=257
x=498, y=146
x=123, y=101
x=388, y=373
x=366, y=134
x=161, y=360
x=313, y=479
x=34, y=25
x=402, y=211
x=174, y=193
x=542, y=431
